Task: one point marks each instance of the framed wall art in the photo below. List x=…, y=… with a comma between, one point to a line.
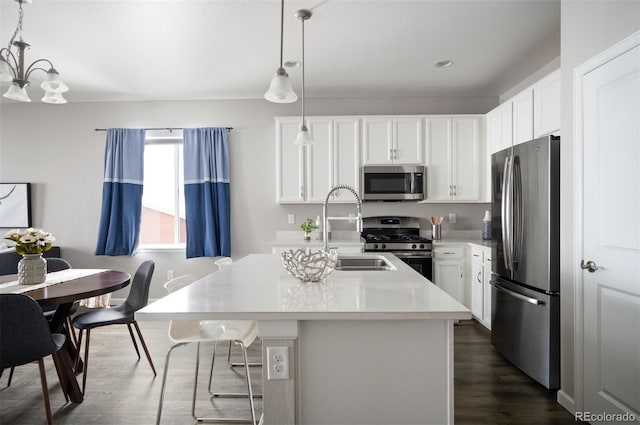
x=15, y=205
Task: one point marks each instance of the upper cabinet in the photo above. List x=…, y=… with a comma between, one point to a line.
x=546, y=101
x=454, y=152
x=306, y=173
x=532, y=113
x=393, y=140
x=500, y=127
x=523, y=117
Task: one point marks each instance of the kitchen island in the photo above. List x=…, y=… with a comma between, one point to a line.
x=367, y=347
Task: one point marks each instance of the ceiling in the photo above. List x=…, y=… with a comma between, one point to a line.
x=111, y=50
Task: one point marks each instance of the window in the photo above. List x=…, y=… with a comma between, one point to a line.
x=163, y=211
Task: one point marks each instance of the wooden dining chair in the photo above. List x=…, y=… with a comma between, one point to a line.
x=25, y=337
x=124, y=314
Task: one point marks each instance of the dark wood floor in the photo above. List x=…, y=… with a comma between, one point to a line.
x=489, y=390
x=122, y=390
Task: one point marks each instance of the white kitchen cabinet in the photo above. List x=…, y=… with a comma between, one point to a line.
x=500, y=127
x=448, y=270
x=523, y=117
x=481, y=284
x=393, y=140
x=306, y=173
x=454, y=151
x=346, y=157
x=290, y=163
x=546, y=102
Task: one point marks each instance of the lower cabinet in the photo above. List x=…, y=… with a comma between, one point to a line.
x=448, y=270
x=481, y=284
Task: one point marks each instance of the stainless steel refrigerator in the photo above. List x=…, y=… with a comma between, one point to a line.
x=525, y=312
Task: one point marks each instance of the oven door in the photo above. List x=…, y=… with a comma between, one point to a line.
x=420, y=262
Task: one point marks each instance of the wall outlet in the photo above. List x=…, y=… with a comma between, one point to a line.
x=452, y=217
x=291, y=219
x=277, y=363
x=169, y=274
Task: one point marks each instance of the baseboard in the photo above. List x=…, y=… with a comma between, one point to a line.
x=567, y=402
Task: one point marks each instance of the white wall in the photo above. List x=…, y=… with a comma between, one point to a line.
x=588, y=27
x=56, y=148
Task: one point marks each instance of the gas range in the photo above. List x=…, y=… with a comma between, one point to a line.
x=401, y=237
x=394, y=234
x=383, y=242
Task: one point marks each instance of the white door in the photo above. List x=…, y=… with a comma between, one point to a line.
x=609, y=132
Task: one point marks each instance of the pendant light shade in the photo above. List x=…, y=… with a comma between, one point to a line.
x=280, y=89
x=53, y=98
x=53, y=83
x=16, y=92
x=303, y=137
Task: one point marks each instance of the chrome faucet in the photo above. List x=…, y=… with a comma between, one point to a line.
x=326, y=218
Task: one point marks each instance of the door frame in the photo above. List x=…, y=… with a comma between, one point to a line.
x=578, y=182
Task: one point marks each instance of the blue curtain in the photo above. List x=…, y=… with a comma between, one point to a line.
x=206, y=192
x=121, y=192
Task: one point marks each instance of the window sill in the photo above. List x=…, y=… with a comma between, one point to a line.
x=161, y=248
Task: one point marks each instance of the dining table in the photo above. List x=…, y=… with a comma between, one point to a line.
x=62, y=289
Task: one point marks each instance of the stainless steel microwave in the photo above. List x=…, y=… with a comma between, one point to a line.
x=393, y=183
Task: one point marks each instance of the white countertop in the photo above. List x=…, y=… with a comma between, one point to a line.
x=258, y=287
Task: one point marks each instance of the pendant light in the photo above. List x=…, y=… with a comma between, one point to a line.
x=280, y=89
x=303, y=137
x=13, y=69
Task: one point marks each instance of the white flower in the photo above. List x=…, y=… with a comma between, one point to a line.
x=12, y=234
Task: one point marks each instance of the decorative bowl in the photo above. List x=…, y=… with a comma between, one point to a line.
x=309, y=266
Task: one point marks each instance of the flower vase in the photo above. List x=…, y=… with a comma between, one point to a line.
x=32, y=269
x=307, y=236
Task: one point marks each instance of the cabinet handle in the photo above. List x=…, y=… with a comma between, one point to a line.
x=302, y=191
x=461, y=273
x=448, y=253
x=450, y=190
x=454, y=190
x=479, y=281
x=476, y=255
x=395, y=154
x=390, y=154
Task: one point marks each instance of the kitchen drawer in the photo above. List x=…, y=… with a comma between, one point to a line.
x=477, y=254
x=449, y=252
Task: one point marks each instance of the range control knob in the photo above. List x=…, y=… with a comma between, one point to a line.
x=413, y=246
x=421, y=246
x=375, y=246
x=383, y=246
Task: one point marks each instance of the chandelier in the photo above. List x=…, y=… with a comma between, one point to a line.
x=12, y=69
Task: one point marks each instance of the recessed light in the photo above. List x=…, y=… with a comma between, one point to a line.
x=292, y=64
x=444, y=64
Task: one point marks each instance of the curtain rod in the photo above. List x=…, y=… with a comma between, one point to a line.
x=170, y=129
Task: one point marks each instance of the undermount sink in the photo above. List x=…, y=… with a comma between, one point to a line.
x=363, y=263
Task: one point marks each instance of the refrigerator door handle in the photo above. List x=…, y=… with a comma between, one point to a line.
x=506, y=213
x=518, y=210
x=530, y=300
